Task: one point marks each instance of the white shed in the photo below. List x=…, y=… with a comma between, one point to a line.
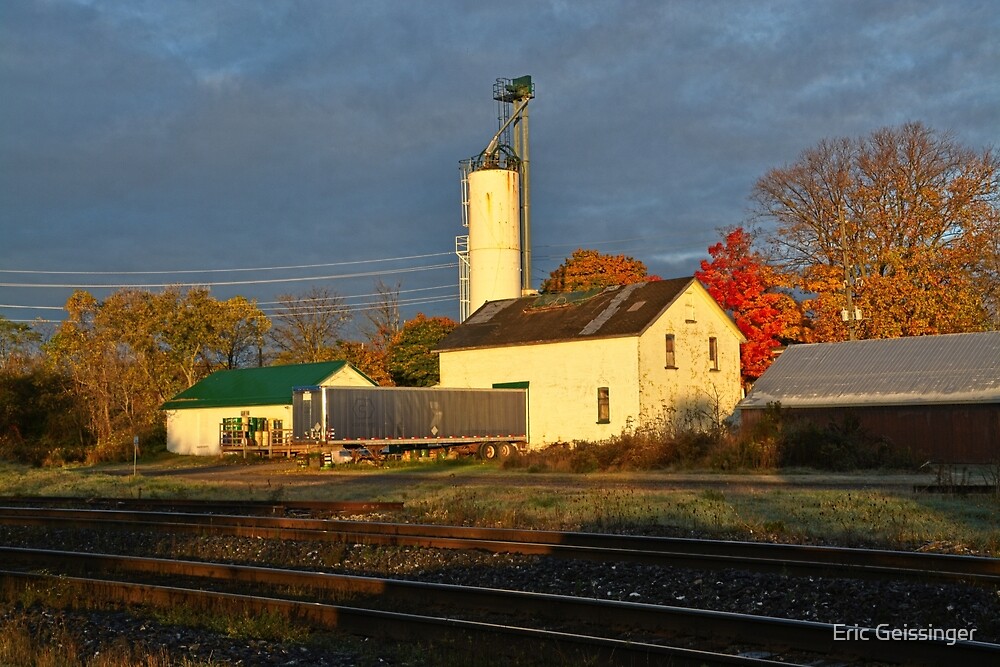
x=195, y=417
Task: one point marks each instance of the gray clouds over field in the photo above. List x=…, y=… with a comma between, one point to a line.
x=185, y=136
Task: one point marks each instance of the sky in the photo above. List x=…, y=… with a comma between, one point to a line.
x=269, y=147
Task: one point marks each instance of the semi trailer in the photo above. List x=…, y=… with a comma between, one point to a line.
x=490, y=423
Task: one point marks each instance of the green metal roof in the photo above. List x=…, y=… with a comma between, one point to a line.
x=270, y=385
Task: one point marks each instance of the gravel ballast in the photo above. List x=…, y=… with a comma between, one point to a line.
x=848, y=601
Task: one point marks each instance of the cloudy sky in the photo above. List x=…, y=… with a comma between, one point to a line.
x=266, y=147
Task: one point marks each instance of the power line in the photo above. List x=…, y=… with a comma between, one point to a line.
x=352, y=308
x=244, y=269
x=431, y=267
x=359, y=296
x=266, y=303
x=347, y=308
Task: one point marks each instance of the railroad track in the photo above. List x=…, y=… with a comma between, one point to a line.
x=403, y=610
x=567, y=623
x=793, y=560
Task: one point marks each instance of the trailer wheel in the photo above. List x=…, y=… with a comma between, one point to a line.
x=488, y=451
x=507, y=450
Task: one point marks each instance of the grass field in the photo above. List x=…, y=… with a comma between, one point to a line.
x=879, y=510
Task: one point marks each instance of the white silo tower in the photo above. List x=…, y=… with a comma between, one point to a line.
x=495, y=257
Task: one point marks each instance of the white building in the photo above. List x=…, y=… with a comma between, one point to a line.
x=195, y=416
x=596, y=363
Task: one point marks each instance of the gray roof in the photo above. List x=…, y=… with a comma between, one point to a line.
x=953, y=368
x=625, y=310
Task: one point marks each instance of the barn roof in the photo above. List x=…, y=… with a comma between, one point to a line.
x=623, y=310
x=953, y=368
x=270, y=385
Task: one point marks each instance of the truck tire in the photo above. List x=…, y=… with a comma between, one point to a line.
x=488, y=451
x=507, y=450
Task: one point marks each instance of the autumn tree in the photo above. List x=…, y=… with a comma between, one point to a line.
x=129, y=353
x=38, y=413
x=589, y=269
x=241, y=330
x=307, y=328
x=749, y=290
x=41, y=421
x=366, y=359
x=18, y=345
x=906, y=218
x=91, y=347
x=412, y=361
x=381, y=323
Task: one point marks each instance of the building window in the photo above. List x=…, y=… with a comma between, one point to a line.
x=671, y=357
x=713, y=353
x=603, y=406
x=689, y=311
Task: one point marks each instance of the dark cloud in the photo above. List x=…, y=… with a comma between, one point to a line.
x=195, y=135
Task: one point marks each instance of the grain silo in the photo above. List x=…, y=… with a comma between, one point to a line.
x=495, y=256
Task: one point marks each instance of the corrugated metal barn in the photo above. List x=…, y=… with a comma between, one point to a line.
x=938, y=396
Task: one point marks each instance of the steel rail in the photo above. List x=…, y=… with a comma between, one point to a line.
x=254, y=507
x=370, y=622
x=806, y=636
x=796, y=560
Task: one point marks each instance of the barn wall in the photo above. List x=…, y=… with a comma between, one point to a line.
x=966, y=433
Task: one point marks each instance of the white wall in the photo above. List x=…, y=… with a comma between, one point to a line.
x=692, y=394
x=564, y=377
x=563, y=380
x=196, y=430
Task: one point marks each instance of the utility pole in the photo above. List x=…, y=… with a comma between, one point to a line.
x=850, y=314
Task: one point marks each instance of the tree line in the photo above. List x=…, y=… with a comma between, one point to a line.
x=97, y=381
x=892, y=234
x=896, y=233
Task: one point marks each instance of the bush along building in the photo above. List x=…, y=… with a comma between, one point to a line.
x=935, y=397
x=599, y=362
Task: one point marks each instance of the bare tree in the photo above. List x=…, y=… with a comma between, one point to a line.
x=307, y=328
x=382, y=319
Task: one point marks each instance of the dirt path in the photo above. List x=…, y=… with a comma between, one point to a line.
x=288, y=474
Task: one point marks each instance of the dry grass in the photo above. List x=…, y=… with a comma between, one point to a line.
x=19, y=647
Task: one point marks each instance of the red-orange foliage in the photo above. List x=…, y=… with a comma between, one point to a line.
x=745, y=287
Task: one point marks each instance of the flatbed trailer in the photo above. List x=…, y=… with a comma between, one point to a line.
x=490, y=423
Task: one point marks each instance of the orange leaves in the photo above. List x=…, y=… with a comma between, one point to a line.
x=913, y=215
x=589, y=269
